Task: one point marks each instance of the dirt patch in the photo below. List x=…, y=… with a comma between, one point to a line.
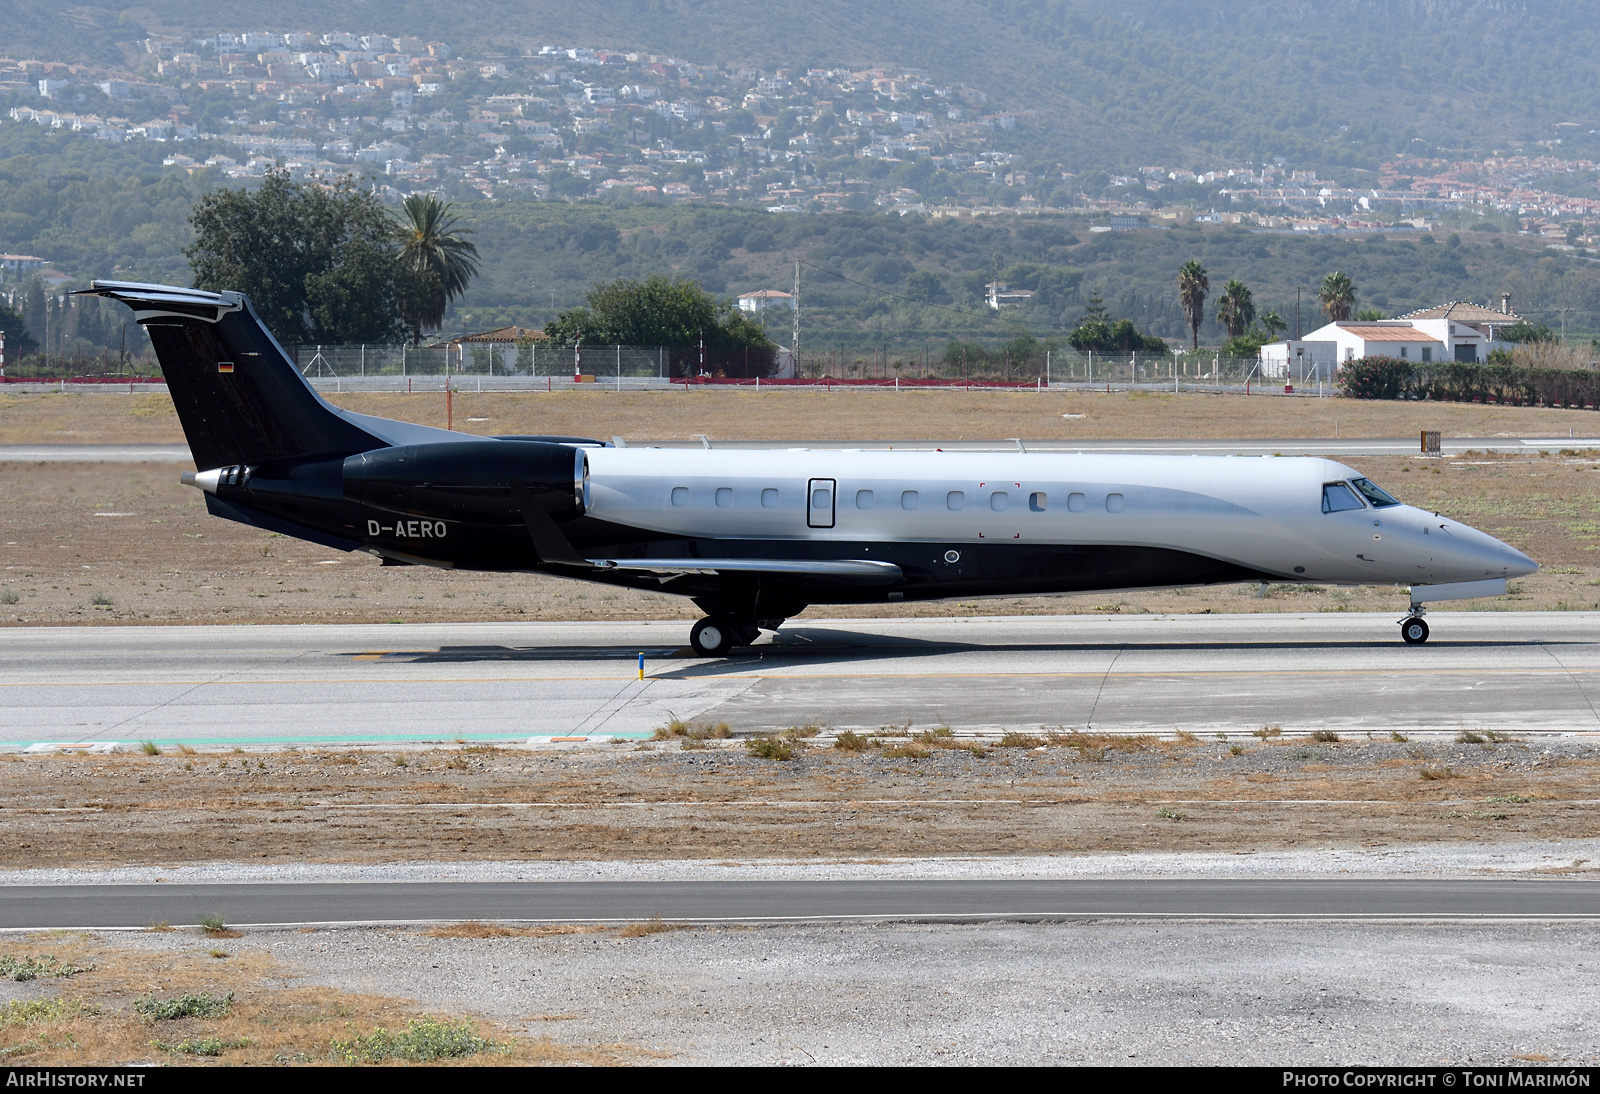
x=127, y=543
x=906, y=796
x=798, y=414
x=188, y=1001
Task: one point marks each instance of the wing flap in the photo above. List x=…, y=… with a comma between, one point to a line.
x=859, y=569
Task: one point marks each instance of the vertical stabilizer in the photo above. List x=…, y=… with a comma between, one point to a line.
x=237, y=394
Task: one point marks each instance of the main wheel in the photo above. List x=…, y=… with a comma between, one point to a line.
x=1414, y=631
x=712, y=637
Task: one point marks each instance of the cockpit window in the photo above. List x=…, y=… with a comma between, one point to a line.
x=1377, y=497
x=1336, y=496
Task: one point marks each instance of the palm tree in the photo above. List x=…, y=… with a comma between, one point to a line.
x=1337, y=296
x=1273, y=324
x=1193, y=285
x=1236, y=308
x=439, y=263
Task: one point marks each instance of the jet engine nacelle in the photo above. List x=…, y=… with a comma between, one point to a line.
x=471, y=480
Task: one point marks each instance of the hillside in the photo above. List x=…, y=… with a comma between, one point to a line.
x=1316, y=82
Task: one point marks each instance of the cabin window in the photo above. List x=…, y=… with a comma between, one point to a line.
x=998, y=501
x=1405, y=352
x=769, y=498
x=1114, y=503
x=1077, y=503
x=863, y=499
x=1378, y=498
x=955, y=500
x=680, y=495
x=908, y=499
x=1427, y=353
x=724, y=497
x=1337, y=497
x=1038, y=502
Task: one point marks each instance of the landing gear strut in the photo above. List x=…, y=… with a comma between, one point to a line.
x=1413, y=630
x=716, y=635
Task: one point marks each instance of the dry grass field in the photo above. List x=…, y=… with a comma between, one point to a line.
x=911, y=792
x=191, y=999
x=107, y=417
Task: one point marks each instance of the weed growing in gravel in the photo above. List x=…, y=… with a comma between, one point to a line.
x=159, y=926
x=1185, y=737
x=1434, y=774
x=196, y=1005
x=851, y=741
x=1326, y=736
x=799, y=733
x=22, y=1011
x=691, y=744
x=1236, y=750
x=1509, y=799
x=1467, y=737
x=422, y=1040
x=677, y=727
x=1398, y=736
x=456, y=762
x=1267, y=731
x=936, y=735
x=8, y=596
x=654, y=925
x=906, y=752
x=770, y=748
x=213, y=925
x=1013, y=739
x=1172, y=814
x=32, y=968
x=1476, y=814
x=204, y=1046
x=476, y=929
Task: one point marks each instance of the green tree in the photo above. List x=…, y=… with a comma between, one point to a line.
x=1273, y=324
x=1097, y=332
x=1193, y=286
x=18, y=340
x=437, y=261
x=1337, y=295
x=1524, y=331
x=671, y=312
x=317, y=261
x=1236, y=308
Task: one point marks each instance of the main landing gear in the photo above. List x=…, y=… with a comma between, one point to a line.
x=716, y=635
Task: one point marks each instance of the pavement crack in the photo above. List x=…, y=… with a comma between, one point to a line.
x=1089, y=722
x=1573, y=677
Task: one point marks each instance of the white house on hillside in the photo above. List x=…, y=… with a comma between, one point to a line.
x=763, y=299
x=1317, y=354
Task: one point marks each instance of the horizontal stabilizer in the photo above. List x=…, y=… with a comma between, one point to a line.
x=883, y=573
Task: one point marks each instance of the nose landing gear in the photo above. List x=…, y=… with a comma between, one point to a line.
x=1413, y=631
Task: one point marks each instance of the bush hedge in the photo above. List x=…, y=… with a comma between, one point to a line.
x=1460, y=382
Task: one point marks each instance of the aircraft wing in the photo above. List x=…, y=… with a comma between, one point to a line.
x=872, y=572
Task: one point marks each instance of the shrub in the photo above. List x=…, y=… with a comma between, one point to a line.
x=1013, y=739
x=22, y=969
x=422, y=1040
x=1498, y=381
x=199, y=1005
x=770, y=748
x=1325, y=736
x=851, y=741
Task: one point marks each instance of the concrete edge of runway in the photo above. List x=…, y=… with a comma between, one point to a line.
x=1486, y=919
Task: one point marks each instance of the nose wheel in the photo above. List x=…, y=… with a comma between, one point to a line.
x=1414, y=631
x=716, y=635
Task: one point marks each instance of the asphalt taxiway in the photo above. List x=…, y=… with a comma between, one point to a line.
x=386, y=685
x=287, y=904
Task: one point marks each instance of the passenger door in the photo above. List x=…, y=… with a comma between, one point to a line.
x=819, y=502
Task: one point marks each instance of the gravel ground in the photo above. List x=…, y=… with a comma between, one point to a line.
x=1144, y=994
x=1529, y=857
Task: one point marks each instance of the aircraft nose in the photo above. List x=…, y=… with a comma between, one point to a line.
x=1490, y=556
x=1518, y=564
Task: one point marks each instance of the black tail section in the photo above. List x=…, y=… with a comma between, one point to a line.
x=238, y=396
